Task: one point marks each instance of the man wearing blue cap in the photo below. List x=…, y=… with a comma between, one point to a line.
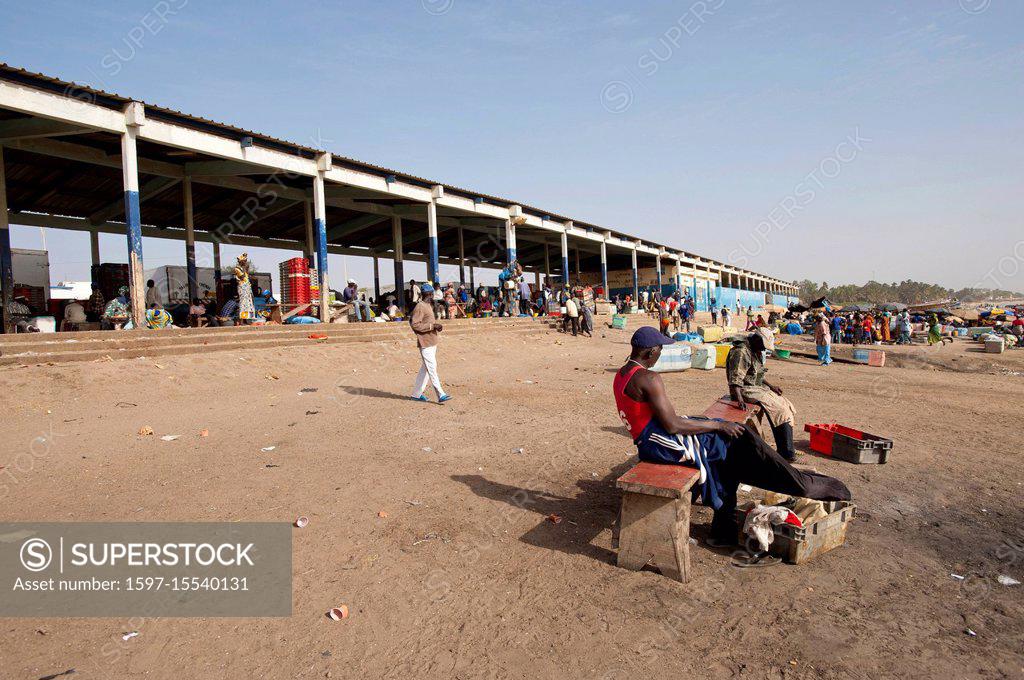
x=424, y=325
x=726, y=454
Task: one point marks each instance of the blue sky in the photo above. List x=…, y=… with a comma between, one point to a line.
x=723, y=127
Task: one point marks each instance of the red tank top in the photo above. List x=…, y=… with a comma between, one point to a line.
x=634, y=414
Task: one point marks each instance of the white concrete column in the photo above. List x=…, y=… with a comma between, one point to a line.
x=565, y=259
x=376, y=278
x=657, y=270
x=320, y=232
x=135, y=117
x=604, y=269
x=433, y=258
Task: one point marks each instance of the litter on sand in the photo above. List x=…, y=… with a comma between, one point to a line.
x=338, y=613
x=268, y=448
x=145, y=431
x=958, y=577
x=519, y=450
x=555, y=519
x=427, y=449
x=307, y=390
x=204, y=433
x=129, y=636
x=170, y=437
x=1007, y=580
x=302, y=522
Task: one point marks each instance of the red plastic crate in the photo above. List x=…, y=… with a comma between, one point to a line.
x=847, y=443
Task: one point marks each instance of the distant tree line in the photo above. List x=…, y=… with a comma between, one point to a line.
x=908, y=292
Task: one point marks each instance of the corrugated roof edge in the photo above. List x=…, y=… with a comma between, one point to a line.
x=75, y=90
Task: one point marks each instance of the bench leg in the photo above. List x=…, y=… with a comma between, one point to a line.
x=656, y=531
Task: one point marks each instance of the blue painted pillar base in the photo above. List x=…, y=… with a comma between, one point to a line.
x=133, y=222
x=433, y=261
x=400, y=285
x=320, y=232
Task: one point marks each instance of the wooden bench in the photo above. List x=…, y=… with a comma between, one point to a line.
x=654, y=518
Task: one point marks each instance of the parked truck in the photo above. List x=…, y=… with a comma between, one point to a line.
x=172, y=282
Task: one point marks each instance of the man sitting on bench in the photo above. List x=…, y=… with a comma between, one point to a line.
x=726, y=454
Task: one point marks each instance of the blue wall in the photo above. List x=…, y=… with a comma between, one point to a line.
x=723, y=296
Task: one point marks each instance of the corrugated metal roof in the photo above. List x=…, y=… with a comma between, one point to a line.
x=113, y=100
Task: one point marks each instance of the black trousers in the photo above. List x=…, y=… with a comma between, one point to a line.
x=750, y=460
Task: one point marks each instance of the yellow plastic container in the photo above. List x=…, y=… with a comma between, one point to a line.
x=721, y=353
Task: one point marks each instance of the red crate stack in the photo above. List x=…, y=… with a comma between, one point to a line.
x=295, y=281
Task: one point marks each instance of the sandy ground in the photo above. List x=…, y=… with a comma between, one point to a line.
x=465, y=577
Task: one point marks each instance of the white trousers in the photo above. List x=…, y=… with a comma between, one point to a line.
x=428, y=371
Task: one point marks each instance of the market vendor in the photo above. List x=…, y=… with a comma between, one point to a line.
x=117, y=311
x=157, y=317
x=745, y=370
x=725, y=454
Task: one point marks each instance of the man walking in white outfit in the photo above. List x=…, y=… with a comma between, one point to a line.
x=424, y=325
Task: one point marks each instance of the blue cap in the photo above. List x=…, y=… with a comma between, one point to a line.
x=646, y=337
x=426, y=288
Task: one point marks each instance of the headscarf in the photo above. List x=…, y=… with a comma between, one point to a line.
x=767, y=337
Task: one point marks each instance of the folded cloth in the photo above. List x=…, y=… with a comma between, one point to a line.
x=807, y=509
x=761, y=521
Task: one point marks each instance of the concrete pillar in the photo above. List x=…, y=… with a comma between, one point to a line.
x=310, y=249
x=547, y=265
x=190, y=240
x=604, y=269
x=536, y=279
x=565, y=259
x=320, y=233
x=636, y=278
x=132, y=212
x=462, y=258
x=6, y=264
x=433, y=261
x=396, y=241
x=94, y=252
x=657, y=270
x=216, y=269
x=679, y=276
x=510, y=242
x=577, y=264
x=376, y=278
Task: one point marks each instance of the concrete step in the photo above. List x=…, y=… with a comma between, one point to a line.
x=239, y=342
x=22, y=339
x=116, y=340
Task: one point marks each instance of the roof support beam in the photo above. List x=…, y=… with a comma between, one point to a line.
x=32, y=128
x=222, y=168
x=353, y=225
x=150, y=189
